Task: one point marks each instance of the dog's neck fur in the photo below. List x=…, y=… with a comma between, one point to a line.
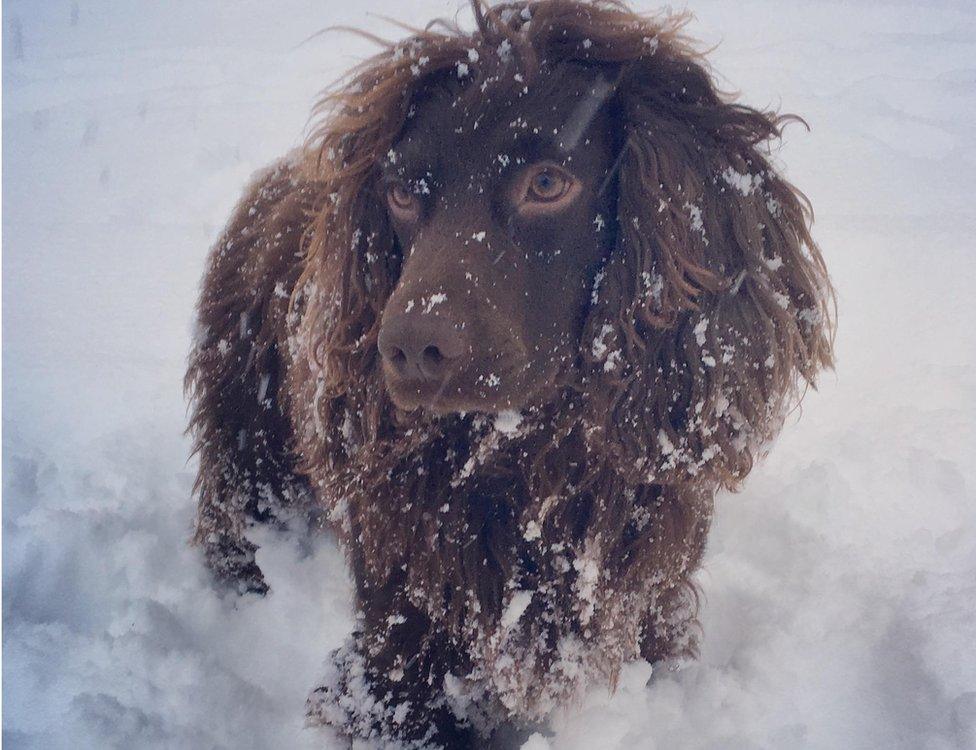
x=464, y=520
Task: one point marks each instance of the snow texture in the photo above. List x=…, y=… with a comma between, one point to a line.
x=840, y=585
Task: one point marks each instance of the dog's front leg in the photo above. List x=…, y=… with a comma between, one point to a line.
x=386, y=683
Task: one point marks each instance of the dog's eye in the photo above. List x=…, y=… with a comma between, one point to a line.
x=547, y=185
x=404, y=204
x=546, y=189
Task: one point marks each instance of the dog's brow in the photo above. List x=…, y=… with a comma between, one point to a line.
x=407, y=159
x=538, y=147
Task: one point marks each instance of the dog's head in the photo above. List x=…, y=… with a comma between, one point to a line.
x=561, y=199
x=501, y=204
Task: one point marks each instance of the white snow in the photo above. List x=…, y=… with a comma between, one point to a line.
x=519, y=602
x=697, y=222
x=433, y=300
x=507, y=422
x=742, y=182
x=599, y=348
x=840, y=584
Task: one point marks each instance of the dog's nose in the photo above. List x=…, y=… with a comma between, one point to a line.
x=420, y=347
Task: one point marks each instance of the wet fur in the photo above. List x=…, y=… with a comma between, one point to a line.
x=711, y=312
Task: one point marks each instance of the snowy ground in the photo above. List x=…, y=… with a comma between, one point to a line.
x=840, y=584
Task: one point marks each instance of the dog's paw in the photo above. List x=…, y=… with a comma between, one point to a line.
x=234, y=567
x=250, y=580
x=343, y=698
x=350, y=701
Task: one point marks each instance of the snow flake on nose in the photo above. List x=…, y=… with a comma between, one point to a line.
x=479, y=236
x=434, y=299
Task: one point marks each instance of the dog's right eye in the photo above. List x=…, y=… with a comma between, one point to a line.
x=547, y=185
x=403, y=204
x=545, y=189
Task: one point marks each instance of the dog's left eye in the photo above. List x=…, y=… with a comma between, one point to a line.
x=546, y=189
x=403, y=204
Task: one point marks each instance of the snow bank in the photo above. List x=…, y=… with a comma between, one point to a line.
x=840, y=584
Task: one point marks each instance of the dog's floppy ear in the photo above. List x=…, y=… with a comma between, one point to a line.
x=352, y=260
x=715, y=302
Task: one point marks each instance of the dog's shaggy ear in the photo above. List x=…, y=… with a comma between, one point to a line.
x=351, y=267
x=715, y=304
x=352, y=260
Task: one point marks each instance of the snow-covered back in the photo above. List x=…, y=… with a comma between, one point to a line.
x=840, y=585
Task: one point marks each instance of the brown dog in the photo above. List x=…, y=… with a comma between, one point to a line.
x=527, y=298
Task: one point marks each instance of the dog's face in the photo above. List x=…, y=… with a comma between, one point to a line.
x=502, y=204
x=556, y=209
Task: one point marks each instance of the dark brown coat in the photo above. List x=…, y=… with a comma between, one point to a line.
x=508, y=547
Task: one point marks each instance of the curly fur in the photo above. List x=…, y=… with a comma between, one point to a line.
x=709, y=315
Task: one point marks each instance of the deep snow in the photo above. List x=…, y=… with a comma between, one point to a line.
x=840, y=584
